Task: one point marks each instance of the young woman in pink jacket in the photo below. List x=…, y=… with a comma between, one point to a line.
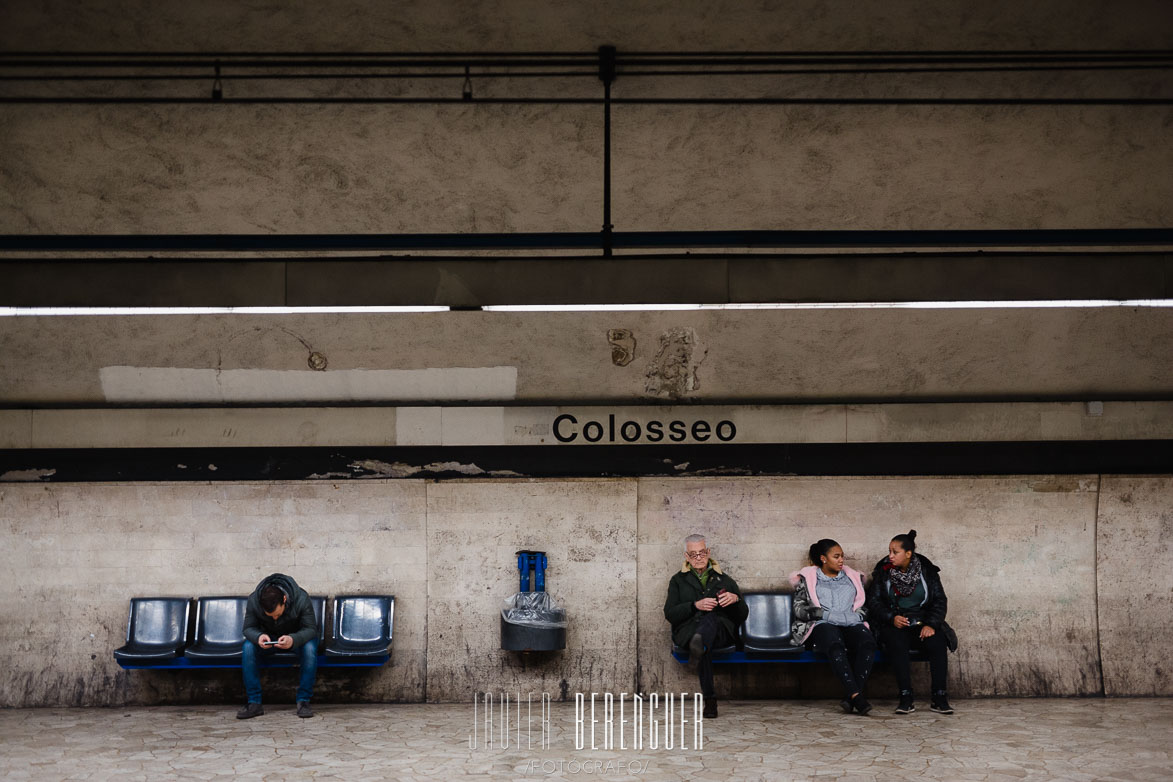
x=829, y=612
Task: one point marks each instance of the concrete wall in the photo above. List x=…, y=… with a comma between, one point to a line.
x=565, y=357
x=1018, y=557
x=568, y=25
x=1135, y=590
x=587, y=528
x=214, y=169
x=1023, y=559
x=485, y=168
x=73, y=557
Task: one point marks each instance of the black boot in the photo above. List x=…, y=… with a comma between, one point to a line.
x=710, y=707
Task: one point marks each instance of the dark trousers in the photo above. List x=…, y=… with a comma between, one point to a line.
x=897, y=643
x=714, y=634
x=851, y=651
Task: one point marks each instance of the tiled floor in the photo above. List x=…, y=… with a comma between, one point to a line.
x=1032, y=739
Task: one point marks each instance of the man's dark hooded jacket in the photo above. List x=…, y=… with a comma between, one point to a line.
x=685, y=589
x=297, y=621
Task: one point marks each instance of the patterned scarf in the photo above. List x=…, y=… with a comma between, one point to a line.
x=905, y=582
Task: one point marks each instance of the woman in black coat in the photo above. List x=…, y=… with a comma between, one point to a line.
x=907, y=606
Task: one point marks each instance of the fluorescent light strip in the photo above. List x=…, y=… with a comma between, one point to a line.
x=55, y=311
x=880, y=305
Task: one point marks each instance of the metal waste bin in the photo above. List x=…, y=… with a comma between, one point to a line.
x=531, y=621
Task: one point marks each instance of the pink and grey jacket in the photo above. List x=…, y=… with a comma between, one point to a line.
x=808, y=612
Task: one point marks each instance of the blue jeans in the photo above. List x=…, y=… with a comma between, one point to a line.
x=251, y=668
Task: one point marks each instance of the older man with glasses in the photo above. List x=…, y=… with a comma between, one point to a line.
x=705, y=609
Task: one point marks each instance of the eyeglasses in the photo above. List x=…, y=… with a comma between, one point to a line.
x=702, y=553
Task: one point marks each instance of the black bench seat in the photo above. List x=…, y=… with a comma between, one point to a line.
x=159, y=637
x=362, y=628
x=156, y=632
x=765, y=636
x=219, y=633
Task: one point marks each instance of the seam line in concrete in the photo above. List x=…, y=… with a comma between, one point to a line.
x=1096, y=585
x=639, y=668
x=427, y=586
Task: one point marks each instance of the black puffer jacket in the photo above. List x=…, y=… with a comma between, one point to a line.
x=685, y=589
x=882, y=600
x=297, y=620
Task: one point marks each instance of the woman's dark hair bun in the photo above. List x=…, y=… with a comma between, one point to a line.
x=907, y=542
x=818, y=549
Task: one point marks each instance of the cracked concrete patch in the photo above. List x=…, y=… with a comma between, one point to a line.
x=28, y=475
x=379, y=469
x=673, y=371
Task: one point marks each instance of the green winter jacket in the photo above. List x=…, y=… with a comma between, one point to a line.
x=685, y=589
x=297, y=620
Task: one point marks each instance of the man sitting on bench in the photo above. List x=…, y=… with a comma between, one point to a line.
x=705, y=609
x=279, y=615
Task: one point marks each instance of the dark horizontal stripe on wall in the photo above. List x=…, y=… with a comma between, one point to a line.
x=572, y=240
x=272, y=464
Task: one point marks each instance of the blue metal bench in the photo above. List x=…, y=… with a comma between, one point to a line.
x=159, y=637
x=362, y=629
x=765, y=636
x=156, y=632
x=219, y=631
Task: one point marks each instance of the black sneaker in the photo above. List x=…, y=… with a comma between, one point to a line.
x=249, y=711
x=941, y=703
x=710, y=706
x=845, y=704
x=304, y=710
x=905, y=706
x=696, y=648
x=861, y=705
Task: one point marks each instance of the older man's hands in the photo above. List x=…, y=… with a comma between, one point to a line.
x=726, y=599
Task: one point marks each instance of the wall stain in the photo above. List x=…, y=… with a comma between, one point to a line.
x=673, y=370
x=622, y=346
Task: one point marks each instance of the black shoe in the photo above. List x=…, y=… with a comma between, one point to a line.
x=905, y=706
x=249, y=711
x=845, y=704
x=696, y=648
x=710, y=705
x=861, y=705
x=304, y=710
x=941, y=703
